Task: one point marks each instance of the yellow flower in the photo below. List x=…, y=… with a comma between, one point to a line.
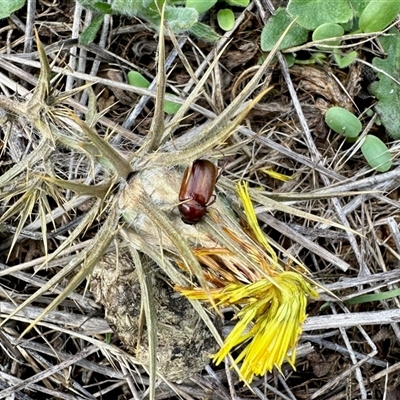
x=269, y=322
x=271, y=301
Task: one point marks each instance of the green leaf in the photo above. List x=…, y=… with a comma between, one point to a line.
x=346, y=60
x=7, y=7
x=200, y=5
x=170, y=107
x=343, y=121
x=369, y=298
x=226, y=19
x=103, y=8
x=350, y=26
x=138, y=80
x=133, y=7
x=378, y=14
x=318, y=58
x=204, y=32
x=376, y=153
x=326, y=31
x=274, y=29
x=238, y=3
x=312, y=13
x=290, y=58
x=358, y=6
x=89, y=34
x=96, y=6
x=385, y=89
x=388, y=41
x=181, y=19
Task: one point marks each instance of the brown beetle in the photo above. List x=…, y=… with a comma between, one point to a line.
x=197, y=190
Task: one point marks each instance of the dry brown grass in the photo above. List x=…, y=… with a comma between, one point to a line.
x=54, y=232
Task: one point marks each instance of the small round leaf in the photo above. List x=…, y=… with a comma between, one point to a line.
x=138, y=80
x=343, y=121
x=226, y=19
x=326, y=31
x=376, y=153
x=290, y=58
x=170, y=107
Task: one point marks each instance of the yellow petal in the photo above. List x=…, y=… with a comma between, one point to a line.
x=269, y=323
x=243, y=192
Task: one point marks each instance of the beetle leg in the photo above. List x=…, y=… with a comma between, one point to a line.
x=221, y=170
x=212, y=200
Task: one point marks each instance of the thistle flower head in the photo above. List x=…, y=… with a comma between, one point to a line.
x=271, y=301
x=269, y=324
